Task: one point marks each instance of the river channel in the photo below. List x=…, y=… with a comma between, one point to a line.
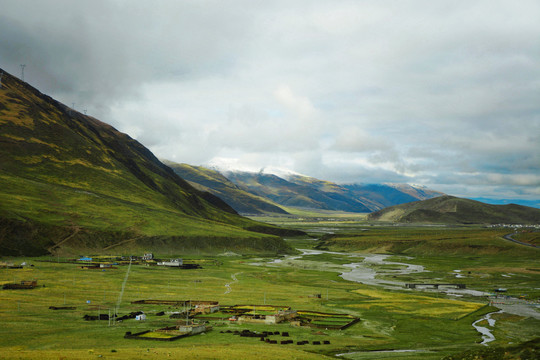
x=369, y=269
x=487, y=336
x=373, y=269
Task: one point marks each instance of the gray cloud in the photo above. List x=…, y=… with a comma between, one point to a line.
x=443, y=93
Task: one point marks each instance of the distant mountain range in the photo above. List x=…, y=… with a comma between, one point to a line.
x=530, y=203
x=452, y=210
x=262, y=192
x=70, y=183
x=214, y=182
x=256, y=193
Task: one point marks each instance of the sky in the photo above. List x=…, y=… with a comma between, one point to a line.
x=441, y=93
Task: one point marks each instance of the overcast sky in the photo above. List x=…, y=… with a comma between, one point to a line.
x=440, y=93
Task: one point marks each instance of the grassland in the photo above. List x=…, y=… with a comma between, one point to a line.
x=31, y=328
x=432, y=324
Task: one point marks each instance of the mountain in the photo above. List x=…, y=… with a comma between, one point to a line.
x=71, y=183
x=384, y=195
x=530, y=203
x=302, y=192
x=214, y=182
x=452, y=210
x=295, y=190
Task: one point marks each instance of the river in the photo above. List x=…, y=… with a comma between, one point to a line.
x=487, y=336
x=368, y=269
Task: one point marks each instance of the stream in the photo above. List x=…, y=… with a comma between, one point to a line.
x=487, y=336
x=366, y=271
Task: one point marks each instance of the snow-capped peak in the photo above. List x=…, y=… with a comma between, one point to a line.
x=228, y=165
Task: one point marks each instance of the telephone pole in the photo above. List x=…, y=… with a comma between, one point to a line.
x=1, y=79
x=22, y=71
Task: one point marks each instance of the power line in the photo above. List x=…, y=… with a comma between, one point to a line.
x=22, y=71
x=123, y=287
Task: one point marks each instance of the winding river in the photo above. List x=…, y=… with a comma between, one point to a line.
x=487, y=336
x=368, y=271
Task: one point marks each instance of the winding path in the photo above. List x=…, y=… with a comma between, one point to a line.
x=76, y=230
x=228, y=285
x=509, y=238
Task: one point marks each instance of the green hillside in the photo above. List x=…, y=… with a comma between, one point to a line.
x=453, y=210
x=305, y=192
x=384, y=195
x=214, y=182
x=69, y=182
x=298, y=191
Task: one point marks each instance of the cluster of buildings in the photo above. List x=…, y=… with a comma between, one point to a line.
x=515, y=226
x=147, y=259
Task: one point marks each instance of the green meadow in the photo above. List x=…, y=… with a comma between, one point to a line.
x=420, y=324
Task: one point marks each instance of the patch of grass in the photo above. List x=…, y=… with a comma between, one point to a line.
x=416, y=305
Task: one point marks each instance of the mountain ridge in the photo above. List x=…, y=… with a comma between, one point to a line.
x=453, y=210
x=216, y=183
x=62, y=170
x=292, y=189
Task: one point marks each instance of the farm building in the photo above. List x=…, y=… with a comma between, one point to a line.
x=280, y=316
x=205, y=307
x=172, y=262
x=170, y=333
x=193, y=329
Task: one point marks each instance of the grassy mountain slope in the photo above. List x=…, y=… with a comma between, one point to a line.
x=69, y=182
x=298, y=192
x=214, y=182
x=308, y=192
x=384, y=195
x=340, y=198
x=453, y=210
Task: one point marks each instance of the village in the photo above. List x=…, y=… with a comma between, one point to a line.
x=148, y=259
x=198, y=316
x=183, y=318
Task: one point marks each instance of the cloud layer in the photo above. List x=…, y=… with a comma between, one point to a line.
x=442, y=93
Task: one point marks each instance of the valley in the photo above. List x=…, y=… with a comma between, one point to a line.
x=287, y=267
x=269, y=180
x=354, y=268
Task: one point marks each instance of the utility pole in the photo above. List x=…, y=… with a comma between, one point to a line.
x=22, y=71
x=1, y=79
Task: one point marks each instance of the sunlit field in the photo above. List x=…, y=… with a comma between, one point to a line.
x=428, y=324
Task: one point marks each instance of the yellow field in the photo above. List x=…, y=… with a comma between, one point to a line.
x=409, y=304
